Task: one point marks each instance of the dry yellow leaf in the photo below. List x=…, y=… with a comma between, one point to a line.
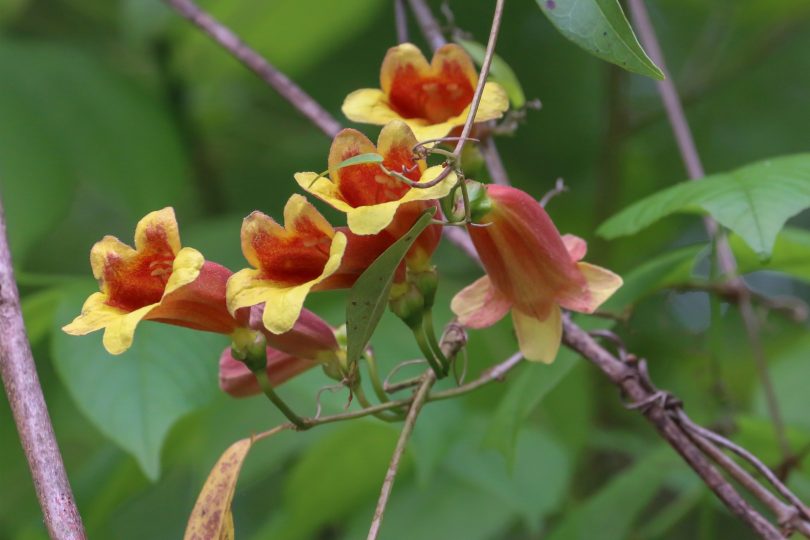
x=211, y=518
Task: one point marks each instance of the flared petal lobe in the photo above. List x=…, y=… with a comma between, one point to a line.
x=432, y=98
x=156, y=280
x=288, y=262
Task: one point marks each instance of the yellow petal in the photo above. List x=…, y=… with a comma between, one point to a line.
x=185, y=269
x=119, y=333
x=244, y=289
x=162, y=223
x=602, y=283
x=402, y=56
x=253, y=225
x=102, y=250
x=373, y=219
x=368, y=106
x=396, y=138
x=95, y=314
x=457, y=57
x=480, y=304
x=348, y=143
x=494, y=102
x=322, y=188
x=300, y=216
x=283, y=303
x=539, y=340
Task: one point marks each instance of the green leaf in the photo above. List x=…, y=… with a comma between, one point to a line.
x=533, y=382
x=359, y=159
x=70, y=123
x=369, y=295
x=754, y=201
x=294, y=36
x=790, y=371
x=615, y=507
x=38, y=311
x=658, y=273
x=449, y=508
x=499, y=71
x=534, y=487
x=791, y=254
x=332, y=478
x=600, y=27
x=135, y=398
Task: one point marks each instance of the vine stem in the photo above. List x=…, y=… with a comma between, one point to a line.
x=19, y=374
x=619, y=373
x=725, y=257
x=401, y=19
x=307, y=106
x=419, y=400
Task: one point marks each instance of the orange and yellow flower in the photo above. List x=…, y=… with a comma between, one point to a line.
x=157, y=280
x=531, y=270
x=371, y=198
x=432, y=98
x=287, y=262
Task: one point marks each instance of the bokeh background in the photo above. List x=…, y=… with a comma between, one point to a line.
x=111, y=109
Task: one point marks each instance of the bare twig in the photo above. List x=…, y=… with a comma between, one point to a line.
x=787, y=517
x=750, y=458
x=559, y=188
x=493, y=160
x=30, y=412
x=725, y=257
x=429, y=25
x=419, y=399
x=479, y=88
x=260, y=66
x=401, y=19
x=651, y=403
x=656, y=412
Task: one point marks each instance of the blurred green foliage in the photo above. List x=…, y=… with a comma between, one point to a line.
x=109, y=109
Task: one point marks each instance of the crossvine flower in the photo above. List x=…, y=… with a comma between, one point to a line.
x=288, y=262
x=373, y=200
x=531, y=270
x=156, y=280
x=432, y=98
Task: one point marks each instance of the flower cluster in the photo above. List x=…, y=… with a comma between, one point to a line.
x=531, y=269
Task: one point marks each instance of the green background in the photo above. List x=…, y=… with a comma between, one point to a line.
x=111, y=109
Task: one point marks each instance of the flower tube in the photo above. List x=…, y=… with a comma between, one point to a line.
x=531, y=270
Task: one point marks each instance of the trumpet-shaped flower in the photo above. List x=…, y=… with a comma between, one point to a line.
x=238, y=381
x=157, y=280
x=287, y=262
x=432, y=98
x=372, y=199
x=531, y=270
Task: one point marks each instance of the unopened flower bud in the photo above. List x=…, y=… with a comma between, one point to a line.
x=426, y=283
x=407, y=303
x=250, y=347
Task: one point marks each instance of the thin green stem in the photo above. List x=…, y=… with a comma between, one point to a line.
x=430, y=334
x=374, y=375
x=267, y=388
x=387, y=416
x=427, y=351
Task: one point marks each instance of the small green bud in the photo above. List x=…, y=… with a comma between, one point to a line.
x=480, y=203
x=408, y=304
x=426, y=283
x=250, y=347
